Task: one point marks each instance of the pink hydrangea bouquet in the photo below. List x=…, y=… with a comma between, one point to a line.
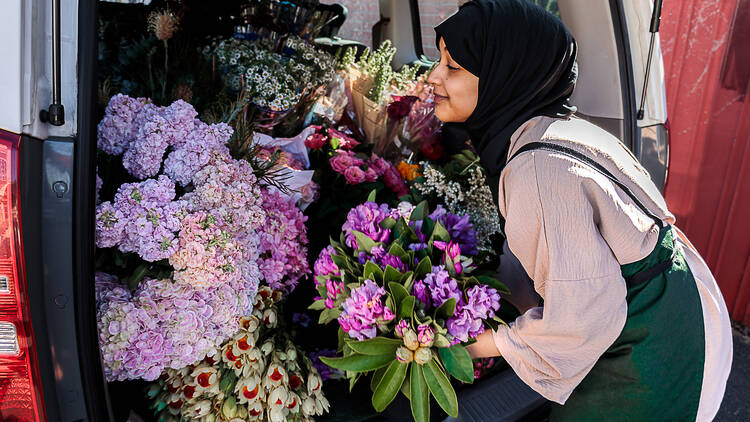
x=257, y=375
x=198, y=233
x=407, y=295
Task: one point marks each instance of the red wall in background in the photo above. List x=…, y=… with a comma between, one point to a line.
x=706, y=46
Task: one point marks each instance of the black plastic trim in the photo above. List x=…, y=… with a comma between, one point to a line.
x=627, y=81
x=416, y=28
x=84, y=193
x=30, y=182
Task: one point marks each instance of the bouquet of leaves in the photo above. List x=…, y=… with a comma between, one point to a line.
x=407, y=295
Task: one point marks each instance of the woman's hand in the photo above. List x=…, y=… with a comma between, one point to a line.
x=484, y=347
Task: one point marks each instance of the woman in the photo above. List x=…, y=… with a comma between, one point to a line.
x=632, y=325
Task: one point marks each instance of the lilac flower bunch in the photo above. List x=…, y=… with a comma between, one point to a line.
x=163, y=324
x=221, y=238
x=209, y=255
x=282, y=248
x=143, y=218
x=363, y=312
x=196, y=150
x=366, y=218
x=402, y=284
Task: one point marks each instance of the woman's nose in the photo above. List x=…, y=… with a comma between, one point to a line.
x=433, y=78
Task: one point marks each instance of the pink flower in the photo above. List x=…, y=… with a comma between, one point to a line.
x=379, y=165
x=371, y=175
x=393, y=181
x=400, y=106
x=346, y=142
x=354, y=175
x=452, y=251
x=342, y=161
x=316, y=141
x=364, y=311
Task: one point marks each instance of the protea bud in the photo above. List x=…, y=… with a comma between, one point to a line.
x=313, y=382
x=410, y=339
x=400, y=327
x=404, y=355
x=249, y=323
x=423, y=355
x=267, y=347
x=278, y=397
x=255, y=411
x=426, y=335
x=229, y=408
x=269, y=317
x=308, y=406
x=198, y=410
x=163, y=24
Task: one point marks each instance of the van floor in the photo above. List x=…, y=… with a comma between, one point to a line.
x=736, y=406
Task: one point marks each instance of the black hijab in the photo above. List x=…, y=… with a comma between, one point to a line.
x=525, y=59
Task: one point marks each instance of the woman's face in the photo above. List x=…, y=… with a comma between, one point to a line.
x=456, y=90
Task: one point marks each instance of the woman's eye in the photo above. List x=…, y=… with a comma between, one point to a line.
x=452, y=67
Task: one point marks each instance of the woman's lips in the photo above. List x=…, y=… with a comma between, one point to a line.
x=439, y=98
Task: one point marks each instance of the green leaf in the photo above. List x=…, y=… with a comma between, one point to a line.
x=407, y=307
x=423, y=268
x=419, y=212
x=397, y=250
x=358, y=363
x=407, y=280
x=458, y=362
x=364, y=243
x=342, y=337
x=398, y=291
x=318, y=305
x=389, y=385
x=353, y=380
x=371, y=196
x=376, y=376
x=376, y=346
x=328, y=315
x=420, y=394
x=447, y=309
x=228, y=382
x=406, y=388
x=391, y=274
x=388, y=223
x=494, y=283
x=373, y=272
x=441, y=388
x=441, y=341
x=340, y=261
x=440, y=233
x=335, y=143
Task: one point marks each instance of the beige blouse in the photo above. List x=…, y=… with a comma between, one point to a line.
x=572, y=229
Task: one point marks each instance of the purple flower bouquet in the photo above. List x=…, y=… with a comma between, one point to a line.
x=204, y=233
x=407, y=295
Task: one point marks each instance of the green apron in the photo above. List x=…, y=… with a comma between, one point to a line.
x=654, y=370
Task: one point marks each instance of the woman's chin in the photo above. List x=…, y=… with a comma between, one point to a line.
x=442, y=114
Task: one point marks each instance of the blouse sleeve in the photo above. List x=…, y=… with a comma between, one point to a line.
x=552, y=227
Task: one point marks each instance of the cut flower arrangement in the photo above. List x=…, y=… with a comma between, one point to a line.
x=407, y=295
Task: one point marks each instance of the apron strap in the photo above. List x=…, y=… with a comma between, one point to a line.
x=596, y=166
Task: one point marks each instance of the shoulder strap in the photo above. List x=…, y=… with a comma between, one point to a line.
x=590, y=162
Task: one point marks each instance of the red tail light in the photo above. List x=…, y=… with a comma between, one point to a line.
x=20, y=387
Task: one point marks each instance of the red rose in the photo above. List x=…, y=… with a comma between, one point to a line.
x=400, y=106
